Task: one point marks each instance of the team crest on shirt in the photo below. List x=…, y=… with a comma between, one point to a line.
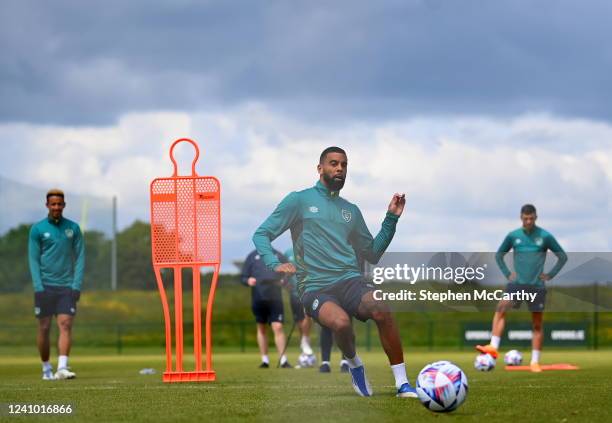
x=539, y=241
x=315, y=304
x=313, y=209
x=46, y=234
x=517, y=241
x=346, y=215
x=69, y=233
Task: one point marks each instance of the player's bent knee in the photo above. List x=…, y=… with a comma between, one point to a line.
x=381, y=307
x=375, y=310
x=380, y=316
x=341, y=324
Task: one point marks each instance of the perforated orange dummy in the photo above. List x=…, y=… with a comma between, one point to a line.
x=186, y=233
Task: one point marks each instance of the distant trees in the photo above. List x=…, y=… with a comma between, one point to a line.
x=14, y=269
x=134, y=259
x=135, y=269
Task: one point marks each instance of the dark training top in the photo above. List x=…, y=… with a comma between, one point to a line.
x=268, y=283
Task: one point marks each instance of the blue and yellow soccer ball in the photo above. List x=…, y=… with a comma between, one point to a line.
x=442, y=386
x=484, y=363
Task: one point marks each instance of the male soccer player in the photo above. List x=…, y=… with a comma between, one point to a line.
x=529, y=244
x=266, y=304
x=329, y=234
x=303, y=322
x=57, y=260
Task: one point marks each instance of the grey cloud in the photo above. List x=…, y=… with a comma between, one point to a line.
x=83, y=63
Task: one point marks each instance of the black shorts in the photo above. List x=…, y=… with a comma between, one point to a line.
x=297, y=308
x=347, y=294
x=539, y=301
x=54, y=300
x=268, y=311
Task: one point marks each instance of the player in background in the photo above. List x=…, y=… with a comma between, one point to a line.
x=56, y=252
x=303, y=322
x=326, y=341
x=529, y=244
x=328, y=235
x=266, y=304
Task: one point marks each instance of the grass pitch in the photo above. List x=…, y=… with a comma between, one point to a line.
x=110, y=389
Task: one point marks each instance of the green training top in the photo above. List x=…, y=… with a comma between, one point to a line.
x=328, y=235
x=530, y=254
x=291, y=257
x=57, y=254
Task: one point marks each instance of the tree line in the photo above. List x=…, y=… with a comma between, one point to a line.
x=135, y=270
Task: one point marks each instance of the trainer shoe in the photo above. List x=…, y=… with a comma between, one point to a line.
x=64, y=373
x=48, y=374
x=264, y=365
x=406, y=391
x=360, y=381
x=488, y=349
x=535, y=367
x=325, y=368
x=344, y=367
x=286, y=365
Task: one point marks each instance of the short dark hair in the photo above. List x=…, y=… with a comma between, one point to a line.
x=528, y=209
x=328, y=150
x=55, y=193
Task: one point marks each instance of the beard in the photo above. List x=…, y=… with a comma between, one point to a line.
x=332, y=183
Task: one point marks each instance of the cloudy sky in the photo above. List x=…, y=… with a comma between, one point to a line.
x=470, y=107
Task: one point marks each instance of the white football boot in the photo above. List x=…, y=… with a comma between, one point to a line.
x=64, y=373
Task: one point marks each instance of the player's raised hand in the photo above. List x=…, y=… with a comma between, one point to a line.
x=396, y=206
x=285, y=268
x=251, y=281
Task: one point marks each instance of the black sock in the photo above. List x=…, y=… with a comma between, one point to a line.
x=326, y=339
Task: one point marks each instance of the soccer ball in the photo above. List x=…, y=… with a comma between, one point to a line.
x=484, y=363
x=442, y=388
x=440, y=363
x=513, y=358
x=307, y=360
